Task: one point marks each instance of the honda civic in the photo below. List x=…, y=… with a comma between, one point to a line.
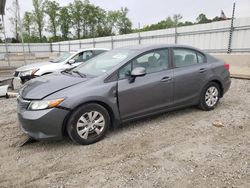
x=120, y=86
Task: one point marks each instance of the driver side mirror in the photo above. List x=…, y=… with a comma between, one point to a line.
x=72, y=61
x=137, y=72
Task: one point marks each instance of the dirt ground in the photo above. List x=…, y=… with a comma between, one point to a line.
x=176, y=149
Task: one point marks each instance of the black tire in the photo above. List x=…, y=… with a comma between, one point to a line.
x=72, y=129
x=202, y=104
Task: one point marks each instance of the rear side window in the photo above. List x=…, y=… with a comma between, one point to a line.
x=186, y=57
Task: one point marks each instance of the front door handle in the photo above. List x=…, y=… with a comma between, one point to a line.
x=202, y=70
x=166, y=79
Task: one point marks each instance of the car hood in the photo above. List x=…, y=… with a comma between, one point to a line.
x=34, y=66
x=44, y=86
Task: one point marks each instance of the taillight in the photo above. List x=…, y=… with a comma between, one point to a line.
x=226, y=66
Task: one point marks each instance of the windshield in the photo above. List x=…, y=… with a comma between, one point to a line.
x=102, y=63
x=62, y=57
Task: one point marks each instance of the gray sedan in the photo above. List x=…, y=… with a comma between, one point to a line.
x=119, y=86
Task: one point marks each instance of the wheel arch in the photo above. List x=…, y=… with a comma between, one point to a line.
x=220, y=85
x=103, y=104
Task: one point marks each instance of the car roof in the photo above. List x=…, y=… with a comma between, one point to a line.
x=146, y=47
x=88, y=49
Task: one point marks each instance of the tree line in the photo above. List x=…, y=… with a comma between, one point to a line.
x=78, y=20
x=50, y=22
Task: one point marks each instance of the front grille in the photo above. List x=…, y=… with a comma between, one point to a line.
x=22, y=104
x=16, y=73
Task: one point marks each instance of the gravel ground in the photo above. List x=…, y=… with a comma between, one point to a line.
x=176, y=149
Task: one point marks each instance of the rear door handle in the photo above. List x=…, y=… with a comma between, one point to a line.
x=166, y=79
x=202, y=70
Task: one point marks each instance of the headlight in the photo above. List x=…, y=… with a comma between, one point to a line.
x=28, y=72
x=41, y=105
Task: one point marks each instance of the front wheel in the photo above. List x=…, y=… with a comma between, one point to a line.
x=210, y=96
x=88, y=124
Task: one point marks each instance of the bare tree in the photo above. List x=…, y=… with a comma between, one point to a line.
x=14, y=19
x=176, y=19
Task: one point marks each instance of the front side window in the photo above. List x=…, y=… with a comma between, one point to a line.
x=125, y=71
x=83, y=56
x=184, y=57
x=153, y=61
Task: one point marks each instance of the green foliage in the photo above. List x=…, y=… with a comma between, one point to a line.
x=52, y=10
x=202, y=18
x=38, y=15
x=64, y=22
x=27, y=22
x=124, y=24
x=75, y=9
x=164, y=24
x=33, y=38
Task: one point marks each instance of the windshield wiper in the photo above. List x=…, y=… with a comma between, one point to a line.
x=67, y=71
x=80, y=74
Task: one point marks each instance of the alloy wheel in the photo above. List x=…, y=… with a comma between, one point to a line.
x=90, y=124
x=211, y=96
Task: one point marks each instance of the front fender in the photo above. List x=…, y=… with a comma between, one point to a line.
x=78, y=95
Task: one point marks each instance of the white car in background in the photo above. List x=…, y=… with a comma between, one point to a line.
x=66, y=60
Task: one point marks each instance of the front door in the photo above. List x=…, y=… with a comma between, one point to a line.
x=149, y=93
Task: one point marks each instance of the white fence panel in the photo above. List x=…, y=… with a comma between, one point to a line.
x=241, y=35
x=87, y=43
x=55, y=47
x=39, y=47
x=213, y=37
x=158, y=36
x=125, y=40
x=103, y=42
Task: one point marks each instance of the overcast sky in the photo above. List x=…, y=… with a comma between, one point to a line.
x=153, y=11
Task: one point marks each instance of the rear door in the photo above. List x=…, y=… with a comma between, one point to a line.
x=191, y=72
x=149, y=93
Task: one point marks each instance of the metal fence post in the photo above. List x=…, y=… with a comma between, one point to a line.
x=69, y=45
x=229, y=49
x=139, y=33
x=175, y=35
x=93, y=42
x=51, y=48
x=59, y=46
x=80, y=44
x=139, y=38
x=112, y=43
x=29, y=48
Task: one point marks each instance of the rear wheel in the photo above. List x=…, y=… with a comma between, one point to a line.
x=210, y=96
x=88, y=124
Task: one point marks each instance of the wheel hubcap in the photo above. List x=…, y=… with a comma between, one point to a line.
x=90, y=124
x=212, y=96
